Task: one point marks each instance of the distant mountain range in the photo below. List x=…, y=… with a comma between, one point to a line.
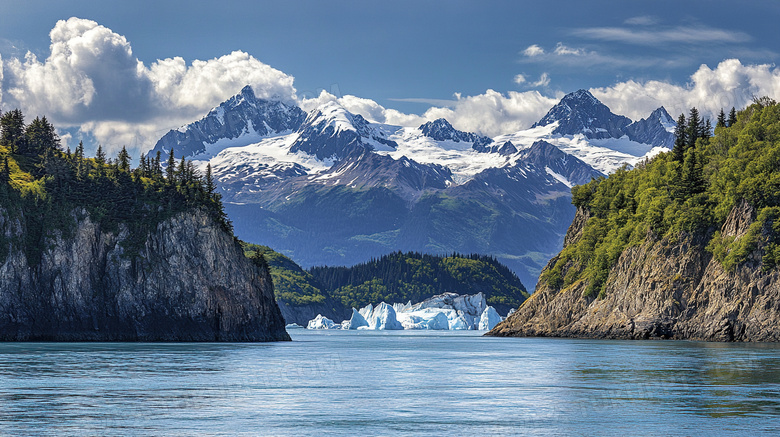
x=332, y=188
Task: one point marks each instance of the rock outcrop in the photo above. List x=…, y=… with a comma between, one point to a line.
x=661, y=289
x=188, y=281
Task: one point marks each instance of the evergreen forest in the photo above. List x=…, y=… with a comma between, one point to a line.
x=48, y=188
x=686, y=193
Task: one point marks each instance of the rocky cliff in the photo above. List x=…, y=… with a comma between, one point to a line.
x=188, y=281
x=663, y=288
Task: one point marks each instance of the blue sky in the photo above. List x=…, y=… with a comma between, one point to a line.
x=407, y=55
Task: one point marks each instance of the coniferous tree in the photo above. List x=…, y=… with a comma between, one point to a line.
x=695, y=128
x=143, y=167
x=692, y=174
x=182, y=172
x=209, y=182
x=680, y=139
x=170, y=169
x=123, y=160
x=79, y=154
x=100, y=156
x=12, y=127
x=707, y=131
x=40, y=138
x=732, y=117
x=721, y=119
x=157, y=167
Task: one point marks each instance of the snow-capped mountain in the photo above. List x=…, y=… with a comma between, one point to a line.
x=581, y=113
x=657, y=129
x=441, y=130
x=243, y=119
x=331, y=132
x=332, y=188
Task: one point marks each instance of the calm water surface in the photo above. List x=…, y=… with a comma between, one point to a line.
x=391, y=383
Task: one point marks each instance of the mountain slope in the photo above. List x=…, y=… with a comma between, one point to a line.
x=674, y=249
x=241, y=120
x=581, y=113
x=340, y=189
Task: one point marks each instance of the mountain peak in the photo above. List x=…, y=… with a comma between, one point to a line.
x=657, y=129
x=441, y=130
x=241, y=120
x=582, y=113
x=583, y=96
x=332, y=132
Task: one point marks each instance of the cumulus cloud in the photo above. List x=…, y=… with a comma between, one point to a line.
x=519, y=79
x=494, y=113
x=92, y=80
x=730, y=84
x=533, y=50
x=491, y=113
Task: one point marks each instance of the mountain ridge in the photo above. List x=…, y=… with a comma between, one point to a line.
x=420, y=173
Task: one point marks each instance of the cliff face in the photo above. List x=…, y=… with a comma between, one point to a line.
x=661, y=289
x=188, y=282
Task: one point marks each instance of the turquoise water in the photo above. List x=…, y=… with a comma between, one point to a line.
x=391, y=383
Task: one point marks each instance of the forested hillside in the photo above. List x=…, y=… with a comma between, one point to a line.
x=686, y=245
x=43, y=184
x=94, y=250
x=401, y=277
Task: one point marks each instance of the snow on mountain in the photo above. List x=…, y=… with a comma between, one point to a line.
x=581, y=113
x=332, y=132
x=331, y=187
x=657, y=129
x=441, y=130
x=241, y=120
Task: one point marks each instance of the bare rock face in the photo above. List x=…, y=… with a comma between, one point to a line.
x=661, y=289
x=189, y=281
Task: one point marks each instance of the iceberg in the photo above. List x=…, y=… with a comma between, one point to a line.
x=293, y=326
x=447, y=311
x=382, y=317
x=321, y=322
x=355, y=322
x=424, y=319
x=462, y=311
x=489, y=319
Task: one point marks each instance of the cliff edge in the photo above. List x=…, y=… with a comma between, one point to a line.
x=661, y=289
x=188, y=281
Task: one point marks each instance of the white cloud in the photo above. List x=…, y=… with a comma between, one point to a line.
x=680, y=34
x=494, y=113
x=730, y=84
x=544, y=80
x=92, y=80
x=520, y=79
x=533, y=50
x=643, y=20
x=562, y=50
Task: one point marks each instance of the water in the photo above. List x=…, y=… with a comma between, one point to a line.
x=391, y=383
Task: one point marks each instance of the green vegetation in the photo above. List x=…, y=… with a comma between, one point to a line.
x=401, y=277
x=397, y=277
x=687, y=192
x=292, y=284
x=44, y=187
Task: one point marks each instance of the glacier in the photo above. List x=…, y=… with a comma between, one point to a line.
x=447, y=311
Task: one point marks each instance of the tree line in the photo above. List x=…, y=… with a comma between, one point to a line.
x=47, y=183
